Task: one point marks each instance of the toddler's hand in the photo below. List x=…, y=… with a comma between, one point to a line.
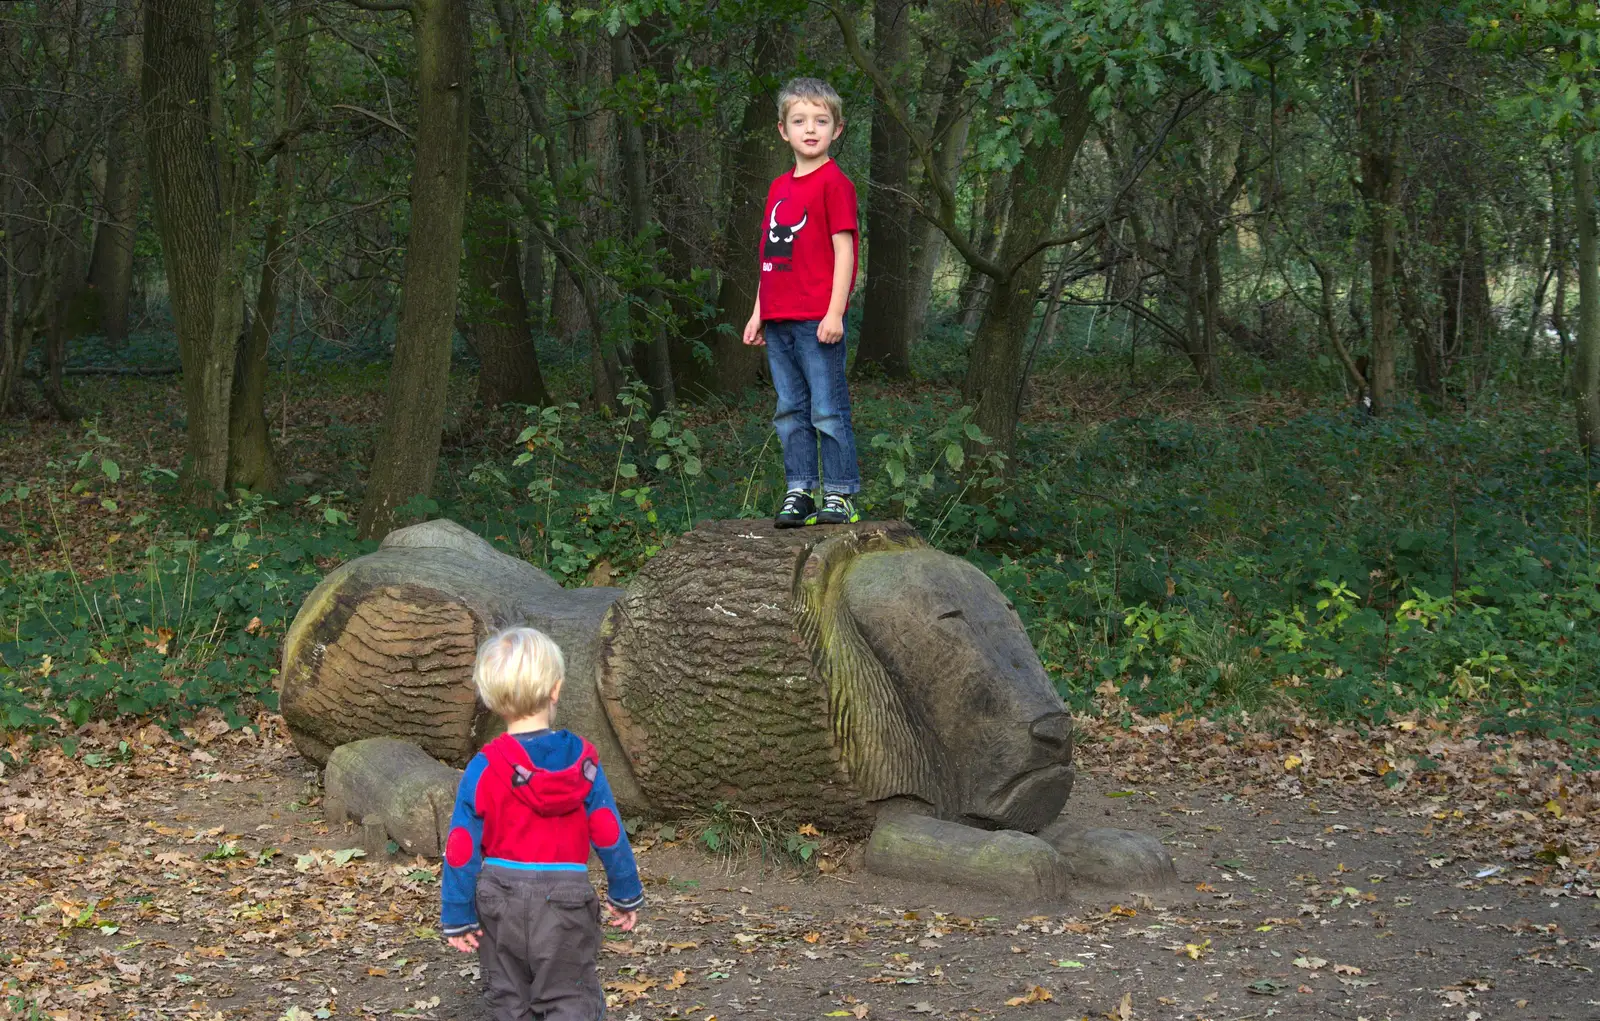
x=753, y=334
x=467, y=942
x=831, y=329
x=624, y=920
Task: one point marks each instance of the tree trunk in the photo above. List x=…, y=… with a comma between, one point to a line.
x=508, y=362
x=593, y=146
x=19, y=249
x=1380, y=191
x=497, y=307
x=1586, y=367
x=533, y=281
x=885, y=319
x=657, y=355
x=607, y=375
x=566, y=309
x=13, y=339
x=1330, y=328
x=1050, y=323
x=196, y=225
x=1558, y=313
x=408, y=447
x=111, y=266
x=1544, y=272
x=252, y=461
x=72, y=315
x=994, y=373
x=1468, y=317
x=759, y=158
x=950, y=129
x=993, y=213
x=64, y=305
x=1207, y=285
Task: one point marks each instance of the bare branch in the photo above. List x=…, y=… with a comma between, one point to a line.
x=384, y=5
x=380, y=118
x=946, y=218
x=1092, y=227
x=1178, y=339
x=557, y=236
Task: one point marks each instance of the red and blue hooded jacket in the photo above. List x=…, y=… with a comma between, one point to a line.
x=534, y=801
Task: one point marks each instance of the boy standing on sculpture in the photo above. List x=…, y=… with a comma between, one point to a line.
x=515, y=886
x=808, y=264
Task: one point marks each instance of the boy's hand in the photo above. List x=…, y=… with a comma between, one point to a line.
x=624, y=920
x=467, y=942
x=753, y=334
x=831, y=329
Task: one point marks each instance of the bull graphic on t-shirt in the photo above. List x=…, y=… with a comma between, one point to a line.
x=780, y=236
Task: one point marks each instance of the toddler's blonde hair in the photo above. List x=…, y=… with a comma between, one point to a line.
x=517, y=671
x=813, y=90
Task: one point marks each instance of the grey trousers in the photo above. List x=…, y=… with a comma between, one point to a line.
x=541, y=938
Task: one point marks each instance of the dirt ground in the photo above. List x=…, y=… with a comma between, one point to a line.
x=151, y=878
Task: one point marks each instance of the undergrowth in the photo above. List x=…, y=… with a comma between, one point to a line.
x=1203, y=558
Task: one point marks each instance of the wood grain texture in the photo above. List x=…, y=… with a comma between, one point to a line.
x=409, y=791
x=924, y=849
x=714, y=692
x=385, y=645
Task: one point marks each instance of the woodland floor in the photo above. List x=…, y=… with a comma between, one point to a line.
x=195, y=879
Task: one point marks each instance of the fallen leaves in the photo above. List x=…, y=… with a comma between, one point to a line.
x=159, y=639
x=195, y=868
x=327, y=859
x=627, y=991
x=1035, y=994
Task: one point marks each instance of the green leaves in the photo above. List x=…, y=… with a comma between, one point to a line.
x=941, y=481
x=1560, y=39
x=1131, y=51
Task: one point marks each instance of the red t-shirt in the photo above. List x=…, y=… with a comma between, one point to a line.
x=803, y=215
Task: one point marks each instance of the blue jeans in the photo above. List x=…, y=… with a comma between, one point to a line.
x=813, y=407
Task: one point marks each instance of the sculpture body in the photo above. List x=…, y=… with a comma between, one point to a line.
x=844, y=676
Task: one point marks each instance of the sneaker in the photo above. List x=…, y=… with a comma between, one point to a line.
x=837, y=509
x=798, y=509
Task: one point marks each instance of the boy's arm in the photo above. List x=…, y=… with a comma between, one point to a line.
x=831, y=329
x=610, y=841
x=752, y=329
x=463, y=856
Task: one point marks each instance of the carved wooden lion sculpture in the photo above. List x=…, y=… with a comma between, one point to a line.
x=851, y=677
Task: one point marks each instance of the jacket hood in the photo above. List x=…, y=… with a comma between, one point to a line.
x=547, y=792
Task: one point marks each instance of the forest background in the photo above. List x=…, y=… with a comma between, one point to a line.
x=1252, y=347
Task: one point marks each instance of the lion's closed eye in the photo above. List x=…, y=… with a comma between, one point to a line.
x=946, y=615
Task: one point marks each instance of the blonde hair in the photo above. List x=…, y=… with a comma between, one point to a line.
x=813, y=90
x=517, y=672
